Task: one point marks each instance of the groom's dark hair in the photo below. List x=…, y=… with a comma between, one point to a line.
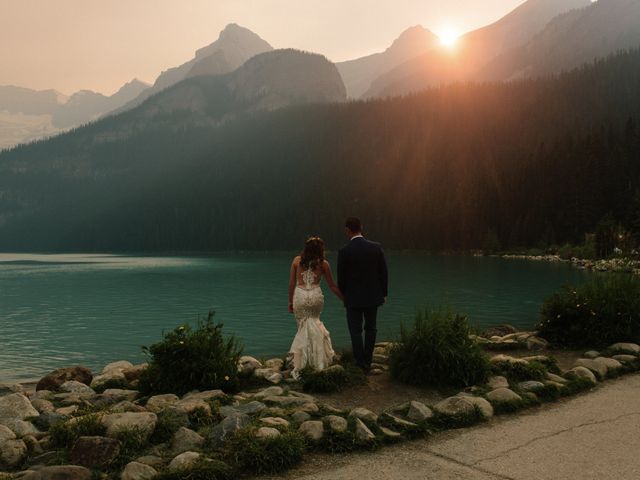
x=354, y=224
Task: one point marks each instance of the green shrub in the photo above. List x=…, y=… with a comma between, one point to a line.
x=65, y=434
x=133, y=441
x=202, y=470
x=192, y=359
x=323, y=381
x=596, y=314
x=576, y=385
x=519, y=372
x=441, y=421
x=261, y=456
x=437, y=351
x=169, y=422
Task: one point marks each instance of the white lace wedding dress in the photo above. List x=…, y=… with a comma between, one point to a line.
x=312, y=344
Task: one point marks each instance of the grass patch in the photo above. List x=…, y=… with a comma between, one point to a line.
x=329, y=380
x=264, y=456
x=437, y=351
x=440, y=421
x=169, y=422
x=519, y=372
x=65, y=434
x=133, y=442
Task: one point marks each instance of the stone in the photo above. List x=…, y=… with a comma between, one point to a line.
x=336, y=423
x=127, y=406
x=625, y=358
x=387, y=432
x=184, y=461
x=455, y=406
x=159, y=402
x=274, y=364
x=591, y=354
x=229, y=425
x=205, y=396
x=121, y=365
x=250, y=408
x=499, y=331
x=46, y=420
x=73, y=386
x=20, y=427
x=60, y=472
x=151, y=460
x=498, y=381
x=189, y=405
x=53, y=380
x=138, y=471
x=531, y=385
x=42, y=405
x=12, y=452
x=121, y=394
x=16, y=405
x=274, y=412
x=300, y=417
x=597, y=367
x=362, y=432
x=581, y=372
x=399, y=422
x=611, y=363
x=274, y=378
x=482, y=405
x=133, y=373
x=145, y=422
x=33, y=446
x=555, y=378
x=363, y=414
x=247, y=365
x=267, y=432
x=502, y=395
x=309, y=408
x=8, y=388
x=111, y=377
x=312, y=429
x=6, y=434
x=632, y=348
x=418, y=412
x=270, y=391
x=508, y=359
x=94, y=452
x=536, y=343
x=185, y=440
x=285, y=401
x=67, y=411
x=384, y=359
x=274, y=422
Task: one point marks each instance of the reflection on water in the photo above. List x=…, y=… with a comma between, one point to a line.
x=58, y=310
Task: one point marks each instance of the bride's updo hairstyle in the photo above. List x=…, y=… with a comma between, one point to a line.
x=313, y=253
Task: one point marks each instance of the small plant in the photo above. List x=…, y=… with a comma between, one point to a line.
x=437, y=351
x=203, y=470
x=332, y=379
x=133, y=441
x=168, y=423
x=192, y=359
x=65, y=434
x=441, y=421
x=519, y=371
x=596, y=314
x=261, y=456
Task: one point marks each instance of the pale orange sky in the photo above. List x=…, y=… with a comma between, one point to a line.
x=101, y=44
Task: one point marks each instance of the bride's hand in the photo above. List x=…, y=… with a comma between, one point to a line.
x=291, y=308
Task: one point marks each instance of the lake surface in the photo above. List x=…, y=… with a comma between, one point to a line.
x=60, y=310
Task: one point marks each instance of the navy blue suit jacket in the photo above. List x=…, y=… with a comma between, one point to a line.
x=362, y=273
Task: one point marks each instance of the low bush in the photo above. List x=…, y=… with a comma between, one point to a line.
x=192, y=359
x=256, y=456
x=441, y=421
x=595, y=314
x=324, y=381
x=202, y=470
x=169, y=422
x=65, y=434
x=519, y=372
x=133, y=442
x=437, y=351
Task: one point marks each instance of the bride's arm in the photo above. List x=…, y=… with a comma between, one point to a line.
x=292, y=282
x=329, y=276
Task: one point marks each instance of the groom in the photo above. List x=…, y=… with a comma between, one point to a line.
x=362, y=279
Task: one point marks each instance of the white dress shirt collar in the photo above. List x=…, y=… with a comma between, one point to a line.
x=359, y=235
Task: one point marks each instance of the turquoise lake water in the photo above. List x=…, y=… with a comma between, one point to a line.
x=60, y=310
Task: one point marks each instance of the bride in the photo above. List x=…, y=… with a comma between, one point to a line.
x=312, y=344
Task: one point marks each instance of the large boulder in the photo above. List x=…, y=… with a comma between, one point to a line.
x=454, y=406
x=482, y=405
x=6, y=434
x=418, y=412
x=120, y=365
x=158, y=403
x=631, y=348
x=247, y=365
x=184, y=461
x=60, y=472
x=611, y=363
x=312, y=429
x=144, y=422
x=581, y=372
x=185, y=440
x=53, y=380
x=94, y=452
x=110, y=379
x=498, y=381
x=336, y=423
x=16, y=406
x=12, y=452
x=363, y=414
x=229, y=425
x=596, y=366
x=265, y=433
x=138, y=471
x=9, y=388
x=362, y=432
x=503, y=395
x=73, y=386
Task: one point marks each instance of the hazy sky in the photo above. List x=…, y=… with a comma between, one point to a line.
x=101, y=44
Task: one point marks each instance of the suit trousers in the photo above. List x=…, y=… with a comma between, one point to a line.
x=362, y=350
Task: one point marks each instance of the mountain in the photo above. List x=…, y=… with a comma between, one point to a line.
x=570, y=40
x=234, y=46
x=29, y=102
x=202, y=166
x=359, y=73
x=472, y=51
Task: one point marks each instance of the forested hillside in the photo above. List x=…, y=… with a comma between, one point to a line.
x=537, y=162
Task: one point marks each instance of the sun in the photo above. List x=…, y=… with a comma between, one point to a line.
x=448, y=36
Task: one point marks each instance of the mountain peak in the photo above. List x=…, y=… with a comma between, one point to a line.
x=236, y=36
x=412, y=39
